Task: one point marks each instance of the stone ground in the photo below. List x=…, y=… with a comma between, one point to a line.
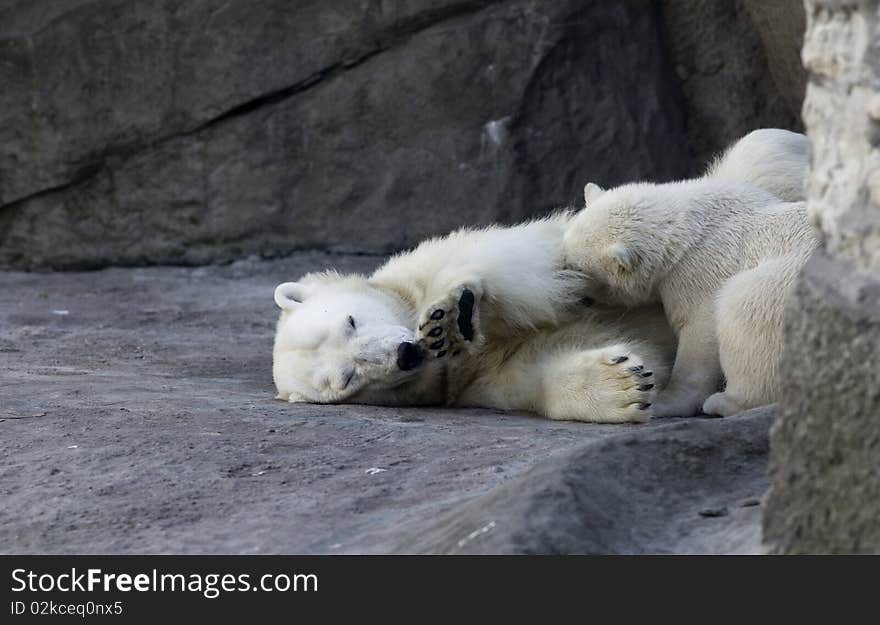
x=137, y=416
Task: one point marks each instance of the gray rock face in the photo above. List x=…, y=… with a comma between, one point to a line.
x=739, y=66
x=826, y=444
x=683, y=487
x=187, y=132
x=138, y=416
x=825, y=494
x=781, y=25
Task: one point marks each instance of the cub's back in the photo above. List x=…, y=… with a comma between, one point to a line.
x=780, y=229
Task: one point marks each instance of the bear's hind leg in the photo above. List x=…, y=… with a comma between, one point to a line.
x=606, y=385
x=749, y=315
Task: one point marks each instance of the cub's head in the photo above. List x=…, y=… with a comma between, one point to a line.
x=612, y=244
x=339, y=338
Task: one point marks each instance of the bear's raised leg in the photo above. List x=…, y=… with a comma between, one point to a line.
x=452, y=324
x=696, y=373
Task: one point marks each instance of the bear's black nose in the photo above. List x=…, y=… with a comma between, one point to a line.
x=409, y=356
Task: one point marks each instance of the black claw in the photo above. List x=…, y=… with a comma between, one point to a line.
x=647, y=374
x=637, y=368
x=646, y=387
x=436, y=331
x=441, y=354
x=437, y=344
x=644, y=406
x=620, y=359
x=437, y=314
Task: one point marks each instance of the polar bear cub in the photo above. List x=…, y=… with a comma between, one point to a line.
x=721, y=256
x=772, y=159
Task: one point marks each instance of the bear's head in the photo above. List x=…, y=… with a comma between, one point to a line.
x=341, y=339
x=613, y=244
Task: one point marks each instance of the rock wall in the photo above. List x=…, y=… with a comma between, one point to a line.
x=738, y=64
x=172, y=131
x=825, y=494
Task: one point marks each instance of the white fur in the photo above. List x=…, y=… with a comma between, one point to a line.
x=720, y=255
x=537, y=347
x=318, y=356
x=769, y=158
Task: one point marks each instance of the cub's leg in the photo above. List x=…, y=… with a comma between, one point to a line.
x=696, y=373
x=451, y=324
x=749, y=314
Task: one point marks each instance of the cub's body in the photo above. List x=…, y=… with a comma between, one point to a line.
x=721, y=257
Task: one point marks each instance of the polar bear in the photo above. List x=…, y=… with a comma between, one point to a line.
x=482, y=317
x=719, y=253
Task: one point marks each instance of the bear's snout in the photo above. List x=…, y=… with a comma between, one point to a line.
x=409, y=356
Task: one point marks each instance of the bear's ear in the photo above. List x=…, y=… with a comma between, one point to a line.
x=624, y=257
x=591, y=192
x=289, y=294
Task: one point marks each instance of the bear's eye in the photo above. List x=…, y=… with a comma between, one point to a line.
x=352, y=323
